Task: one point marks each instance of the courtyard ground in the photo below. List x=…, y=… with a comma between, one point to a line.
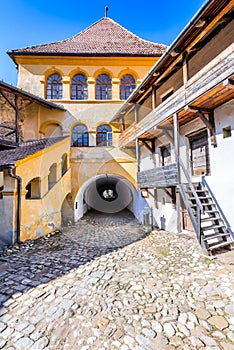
x=107, y=283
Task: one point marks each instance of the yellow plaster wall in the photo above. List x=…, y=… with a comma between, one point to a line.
x=87, y=162
x=41, y=216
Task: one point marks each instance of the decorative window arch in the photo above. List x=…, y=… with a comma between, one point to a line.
x=104, y=135
x=103, y=87
x=80, y=136
x=54, y=88
x=127, y=85
x=79, y=88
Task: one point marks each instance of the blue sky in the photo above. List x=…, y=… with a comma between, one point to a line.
x=31, y=22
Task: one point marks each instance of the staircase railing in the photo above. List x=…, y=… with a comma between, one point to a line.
x=228, y=226
x=195, y=219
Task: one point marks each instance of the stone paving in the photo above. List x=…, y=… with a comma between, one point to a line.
x=106, y=283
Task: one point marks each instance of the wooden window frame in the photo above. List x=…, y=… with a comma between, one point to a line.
x=79, y=87
x=54, y=87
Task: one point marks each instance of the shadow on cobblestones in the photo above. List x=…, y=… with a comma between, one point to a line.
x=38, y=262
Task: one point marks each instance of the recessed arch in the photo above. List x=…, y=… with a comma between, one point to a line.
x=51, y=128
x=33, y=189
x=67, y=212
x=79, y=87
x=103, y=71
x=103, y=89
x=80, y=135
x=128, y=71
x=127, y=86
x=53, y=70
x=104, y=135
x=54, y=86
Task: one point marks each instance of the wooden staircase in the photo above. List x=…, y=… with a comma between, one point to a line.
x=214, y=234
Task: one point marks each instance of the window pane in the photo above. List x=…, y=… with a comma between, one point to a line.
x=54, y=87
x=103, y=87
x=104, y=135
x=127, y=85
x=79, y=87
x=80, y=136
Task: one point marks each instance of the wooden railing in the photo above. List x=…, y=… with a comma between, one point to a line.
x=165, y=176
x=213, y=74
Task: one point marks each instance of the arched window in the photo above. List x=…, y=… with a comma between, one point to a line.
x=33, y=189
x=104, y=135
x=127, y=85
x=79, y=87
x=103, y=87
x=54, y=87
x=80, y=136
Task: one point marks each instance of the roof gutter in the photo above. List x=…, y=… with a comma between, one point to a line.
x=16, y=234
x=167, y=52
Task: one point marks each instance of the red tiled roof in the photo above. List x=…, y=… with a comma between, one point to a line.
x=105, y=37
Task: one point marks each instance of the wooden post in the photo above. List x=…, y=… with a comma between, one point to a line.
x=177, y=144
x=17, y=134
x=136, y=114
x=185, y=67
x=138, y=154
x=153, y=97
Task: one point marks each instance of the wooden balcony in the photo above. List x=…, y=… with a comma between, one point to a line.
x=209, y=88
x=165, y=176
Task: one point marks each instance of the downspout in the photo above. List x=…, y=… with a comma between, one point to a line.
x=19, y=190
x=16, y=237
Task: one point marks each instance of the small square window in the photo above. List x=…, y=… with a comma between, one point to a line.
x=227, y=132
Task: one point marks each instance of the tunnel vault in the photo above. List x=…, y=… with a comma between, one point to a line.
x=107, y=193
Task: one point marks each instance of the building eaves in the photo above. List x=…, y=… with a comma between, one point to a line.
x=26, y=149
x=208, y=8
x=29, y=96
x=103, y=38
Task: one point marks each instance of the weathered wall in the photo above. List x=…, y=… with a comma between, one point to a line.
x=222, y=166
x=43, y=215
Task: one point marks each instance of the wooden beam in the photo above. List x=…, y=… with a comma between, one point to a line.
x=228, y=83
x=164, y=127
x=205, y=120
x=6, y=127
x=17, y=135
x=138, y=155
x=150, y=148
x=7, y=99
x=185, y=67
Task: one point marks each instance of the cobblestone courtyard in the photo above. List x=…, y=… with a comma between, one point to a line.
x=106, y=283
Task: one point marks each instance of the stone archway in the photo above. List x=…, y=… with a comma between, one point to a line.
x=108, y=193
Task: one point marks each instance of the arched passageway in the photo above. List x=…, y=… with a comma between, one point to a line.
x=67, y=210
x=107, y=193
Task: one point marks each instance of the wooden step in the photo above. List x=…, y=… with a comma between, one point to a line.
x=220, y=245
x=208, y=237
x=212, y=211
x=212, y=218
x=193, y=205
x=201, y=198
x=213, y=227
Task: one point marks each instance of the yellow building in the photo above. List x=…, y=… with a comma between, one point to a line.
x=72, y=89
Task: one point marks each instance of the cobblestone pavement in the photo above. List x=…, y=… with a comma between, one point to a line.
x=107, y=284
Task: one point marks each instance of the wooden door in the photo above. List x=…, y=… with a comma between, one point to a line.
x=200, y=160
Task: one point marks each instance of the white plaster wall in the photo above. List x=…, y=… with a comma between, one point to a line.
x=221, y=180
x=128, y=197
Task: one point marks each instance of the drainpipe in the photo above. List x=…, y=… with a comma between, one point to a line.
x=10, y=167
x=19, y=190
